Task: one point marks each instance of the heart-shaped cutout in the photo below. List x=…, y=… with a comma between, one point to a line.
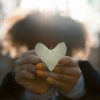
x=50, y=57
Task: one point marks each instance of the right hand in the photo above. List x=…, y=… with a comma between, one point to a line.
x=25, y=75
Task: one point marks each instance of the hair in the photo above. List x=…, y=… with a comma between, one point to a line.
x=48, y=29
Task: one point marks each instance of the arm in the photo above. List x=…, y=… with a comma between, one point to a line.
x=90, y=84
x=91, y=77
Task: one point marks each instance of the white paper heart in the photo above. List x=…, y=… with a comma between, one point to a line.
x=50, y=57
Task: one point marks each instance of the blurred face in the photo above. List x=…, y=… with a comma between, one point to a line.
x=48, y=40
x=26, y=33
x=51, y=40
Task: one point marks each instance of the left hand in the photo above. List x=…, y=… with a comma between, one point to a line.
x=25, y=75
x=64, y=76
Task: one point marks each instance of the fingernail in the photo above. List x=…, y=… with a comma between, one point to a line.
x=40, y=74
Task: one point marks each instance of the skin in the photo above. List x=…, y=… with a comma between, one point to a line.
x=25, y=74
x=33, y=74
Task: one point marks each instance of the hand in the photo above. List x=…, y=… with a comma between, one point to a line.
x=25, y=73
x=65, y=74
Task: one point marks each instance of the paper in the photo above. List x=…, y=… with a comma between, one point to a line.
x=51, y=57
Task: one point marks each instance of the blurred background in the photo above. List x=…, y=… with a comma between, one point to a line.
x=86, y=11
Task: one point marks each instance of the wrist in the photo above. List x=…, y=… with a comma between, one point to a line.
x=34, y=96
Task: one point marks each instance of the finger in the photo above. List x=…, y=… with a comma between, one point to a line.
x=24, y=75
x=42, y=74
x=59, y=77
x=30, y=52
x=67, y=70
x=41, y=66
x=33, y=59
x=27, y=74
x=28, y=67
x=65, y=87
x=57, y=83
x=62, y=77
x=68, y=61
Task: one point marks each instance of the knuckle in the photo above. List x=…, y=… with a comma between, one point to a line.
x=30, y=57
x=30, y=66
x=59, y=77
x=62, y=77
x=18, y=68
x=65, y=78
x=18, y=78
x=23, y=73
x=26, y=66
x=63, y=70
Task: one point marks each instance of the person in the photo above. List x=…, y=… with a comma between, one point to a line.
x=30, y=79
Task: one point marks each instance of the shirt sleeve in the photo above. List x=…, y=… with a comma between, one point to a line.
x=78, y=91
x=32, y=96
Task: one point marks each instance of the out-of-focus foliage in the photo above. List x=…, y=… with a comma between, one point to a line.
x=7, y=6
